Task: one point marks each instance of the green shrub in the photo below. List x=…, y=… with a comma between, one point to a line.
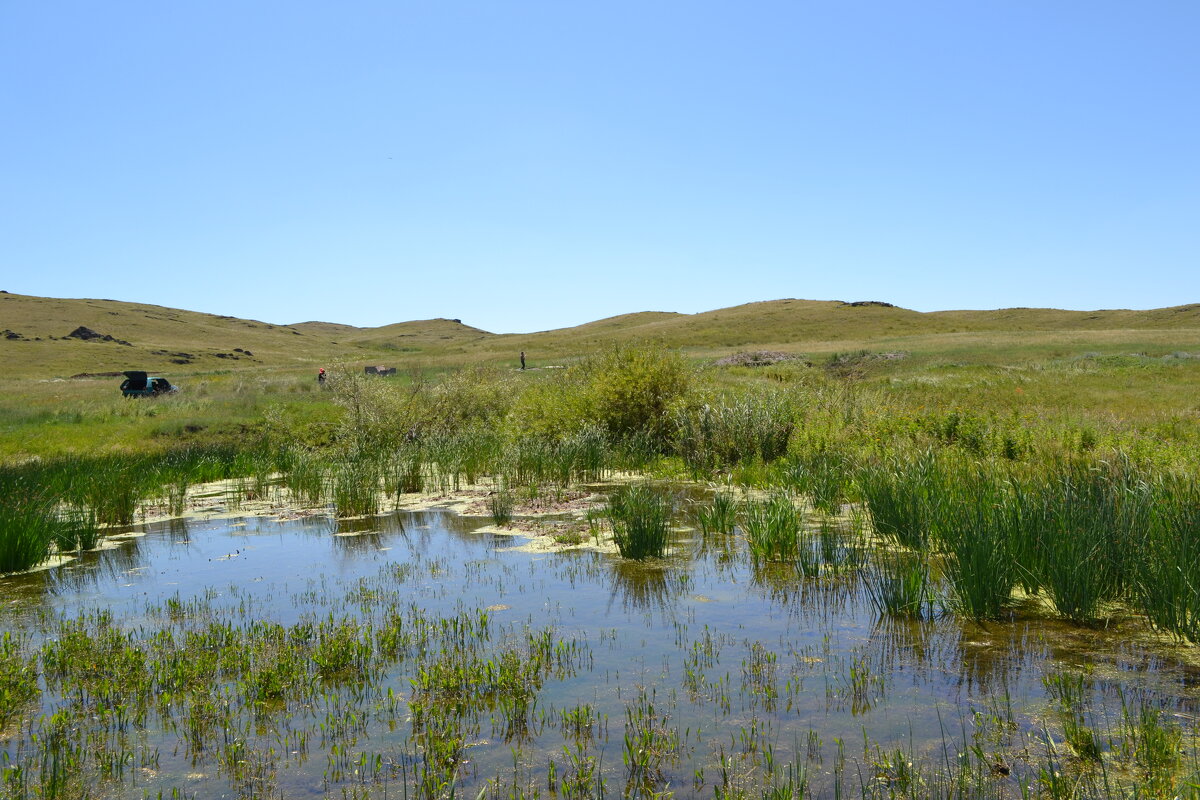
x=631, y=389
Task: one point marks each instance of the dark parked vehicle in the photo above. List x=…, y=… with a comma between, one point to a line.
x=140, y=384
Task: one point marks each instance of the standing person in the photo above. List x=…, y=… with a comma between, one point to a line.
x=522, y=359
x=321, y=375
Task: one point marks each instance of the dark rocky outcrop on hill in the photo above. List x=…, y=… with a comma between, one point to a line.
x=88, y=335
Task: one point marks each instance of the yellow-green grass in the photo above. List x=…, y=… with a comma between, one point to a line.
x=87, y=416
x=1095, y=378
x=157, y=336
x=1094, y=400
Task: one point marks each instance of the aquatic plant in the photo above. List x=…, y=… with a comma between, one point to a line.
x=975, y=525
x=18, y=676
x=640, y=517
x=902, y=496
x=824, y=476
x=78, y=529
x=719, y=516
x=733, y=430
x=772, y=528
x=305, y=475
x=501, y=502
x=1168, y=584
x=1088, y=523
x=406, y=469
x=28, y=526
x=898, y=585
x=356, y=488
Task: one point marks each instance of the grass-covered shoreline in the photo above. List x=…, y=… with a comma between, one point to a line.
x=1088, y=508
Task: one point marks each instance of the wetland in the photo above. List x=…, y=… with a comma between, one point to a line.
x=632, y=578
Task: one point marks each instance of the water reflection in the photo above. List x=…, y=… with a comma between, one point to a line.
x=646, y=586
x=112, y=564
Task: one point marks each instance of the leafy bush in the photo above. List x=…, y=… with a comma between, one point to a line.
x=629, y=391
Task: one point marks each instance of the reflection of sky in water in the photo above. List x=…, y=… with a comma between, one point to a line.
x=837, y=669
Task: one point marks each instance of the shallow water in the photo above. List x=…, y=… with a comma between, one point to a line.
x=738, y=669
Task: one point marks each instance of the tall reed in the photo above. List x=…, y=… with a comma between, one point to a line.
x=1089, y=523
x=27, y=529
x=730, y=431
x=356, y=488
x=1168, y=586
x=718, y=517
x=898, y=585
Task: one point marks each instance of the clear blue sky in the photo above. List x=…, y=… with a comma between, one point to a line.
x=525, y=166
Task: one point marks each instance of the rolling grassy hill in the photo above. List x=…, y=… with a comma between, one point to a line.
x=36, y=336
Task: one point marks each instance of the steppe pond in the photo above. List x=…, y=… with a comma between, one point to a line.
x=428, y=654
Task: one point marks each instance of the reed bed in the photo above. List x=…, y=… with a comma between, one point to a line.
x=898, y=585
x=733, y=430
x=825, y=477
x=500, y=503
x=1085, y=534
x=65, y=503
x=974, y=526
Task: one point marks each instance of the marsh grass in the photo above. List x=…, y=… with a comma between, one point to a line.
x=78, y=529
x=355, y=488
x=733, y=430
x=640, y=518
x=27, y=529
x=501, y=502
x=902, y=496
x=406, y=469
x=1168, y=587
x=824, y=476
x=1091, y=526
x=1072, y=692
x=898, y=585
x=18, y=676
x=306, y=476
x=1154, y=747
x=975, y=525
x=719, y=516
x=115, y=486
x=773, y=528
